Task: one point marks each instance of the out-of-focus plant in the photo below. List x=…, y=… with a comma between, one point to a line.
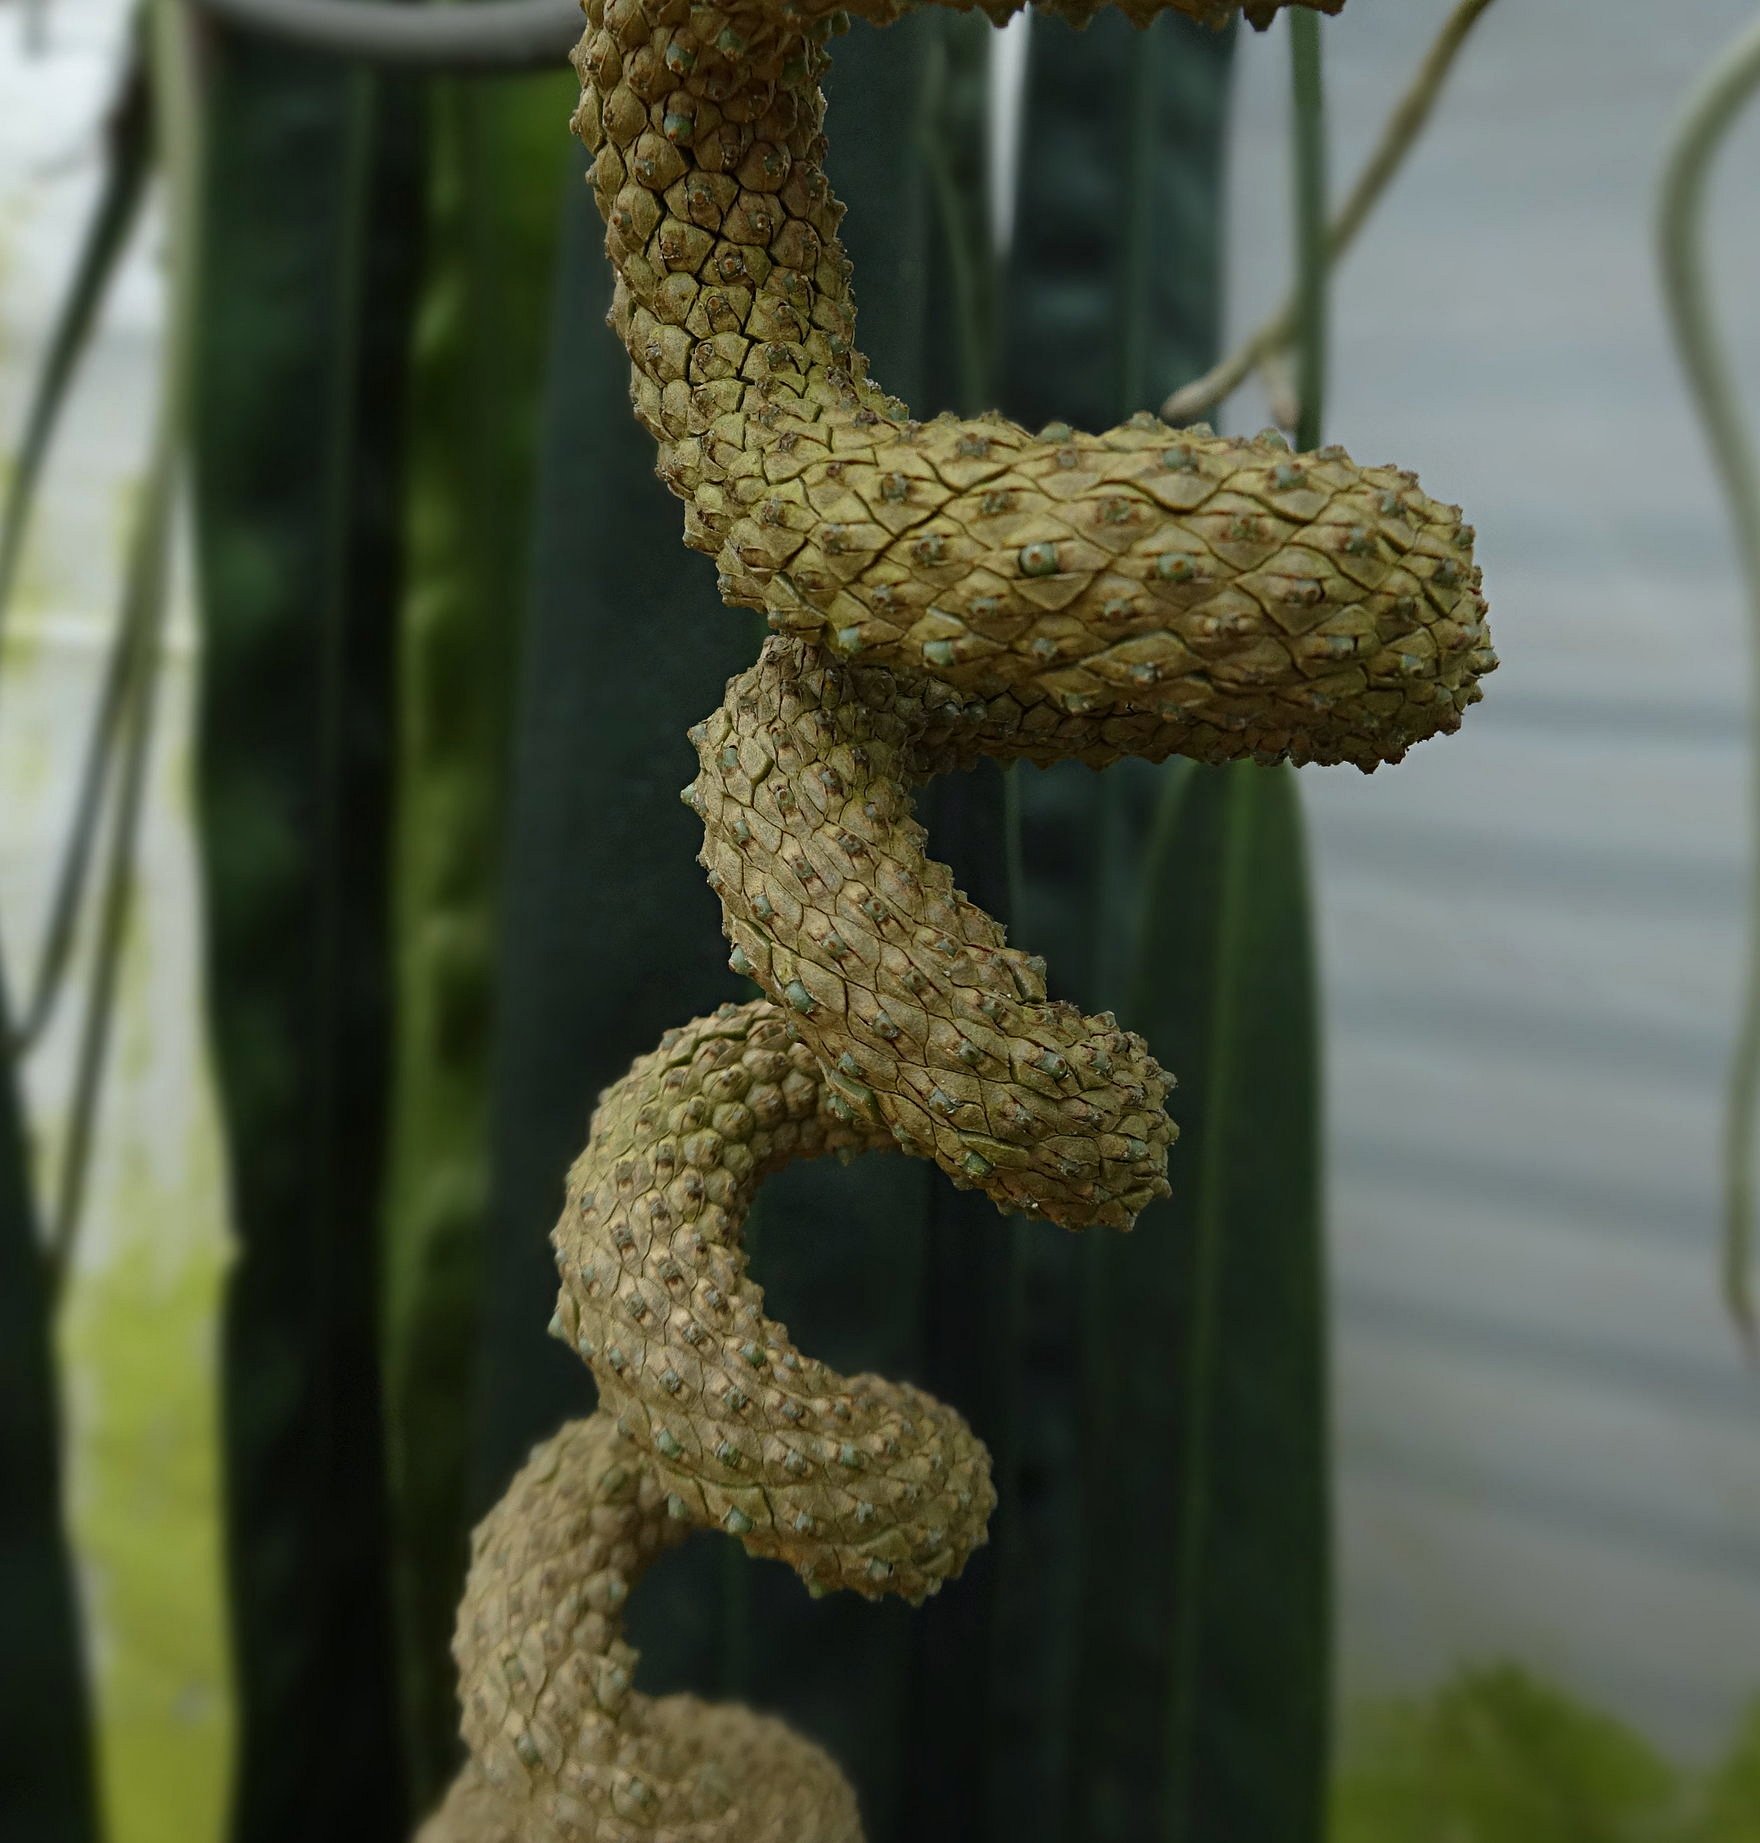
x=1499, y=1754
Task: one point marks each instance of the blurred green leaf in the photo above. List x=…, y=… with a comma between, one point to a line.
x=314, y=207
x=1498, y=1755
x=1225, y=990
x=498, y=154
x=47, y=1788
x=1732, y=1799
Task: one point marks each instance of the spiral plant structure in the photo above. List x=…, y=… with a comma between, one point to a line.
x=938, y=592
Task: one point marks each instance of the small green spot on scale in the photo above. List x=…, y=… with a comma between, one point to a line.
x=939, y=652
x=849, y=1457
x=666, y=1444
x=754, y=1354
x=739, y=961
x=736, y=1522
x=849, y=640
x=977, y=1165
x=676, y=1508
x=1038, y=560
x=677, y=127
x=798, y=996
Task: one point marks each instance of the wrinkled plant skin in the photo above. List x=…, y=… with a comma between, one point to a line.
x=938, y=593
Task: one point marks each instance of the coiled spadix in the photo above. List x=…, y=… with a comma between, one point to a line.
x=938, y=592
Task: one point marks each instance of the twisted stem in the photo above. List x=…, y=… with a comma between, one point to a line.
x=938, y=593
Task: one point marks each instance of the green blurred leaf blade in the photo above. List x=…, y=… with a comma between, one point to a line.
x=497, y=153
x=313, y=218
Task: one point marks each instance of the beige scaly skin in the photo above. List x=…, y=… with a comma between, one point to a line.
x=939, y=592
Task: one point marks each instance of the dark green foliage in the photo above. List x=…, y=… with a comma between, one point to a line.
x=313, y=204
x=1225, y=982
x=1115, y=276
x=959, y=355
x=499, y=161
x=1170, y=1491
x=47, y=1789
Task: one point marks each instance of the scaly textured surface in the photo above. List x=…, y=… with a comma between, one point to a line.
x=939, y=592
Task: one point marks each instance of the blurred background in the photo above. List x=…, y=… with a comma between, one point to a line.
x=1401, y=1482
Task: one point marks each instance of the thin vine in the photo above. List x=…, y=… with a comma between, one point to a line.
x=1264, y=348
x=1705, y=123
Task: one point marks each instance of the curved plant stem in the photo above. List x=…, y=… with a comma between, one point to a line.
x=121, y=682
x=507, y=36
x=146, y=598
x=1398, y=138
x=144, y=619
x=1710, y=111
x=1308, y=143
x=127, y=161
x=127, y=165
